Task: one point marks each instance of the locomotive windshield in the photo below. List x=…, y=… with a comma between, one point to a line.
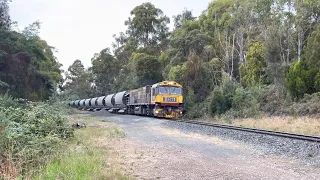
x=169, y=90
x=175, y=90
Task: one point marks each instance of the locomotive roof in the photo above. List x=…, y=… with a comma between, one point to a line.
x=167, y=83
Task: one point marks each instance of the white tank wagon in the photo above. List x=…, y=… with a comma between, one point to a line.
x=77, y=103
x=82, y=103
x=71, y=103
x=93, y=103
x=87, y=103
x=101, y=102
x=109, y=102
x=120, y=102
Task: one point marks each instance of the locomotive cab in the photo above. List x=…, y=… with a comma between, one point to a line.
x=167, y=98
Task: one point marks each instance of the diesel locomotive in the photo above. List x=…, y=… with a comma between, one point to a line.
x=163, y=99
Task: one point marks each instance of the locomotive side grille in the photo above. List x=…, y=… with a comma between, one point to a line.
x=169, y=99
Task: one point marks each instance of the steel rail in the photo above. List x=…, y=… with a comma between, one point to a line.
x=259, y=131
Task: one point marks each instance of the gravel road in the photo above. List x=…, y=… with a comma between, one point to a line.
x=161, y=149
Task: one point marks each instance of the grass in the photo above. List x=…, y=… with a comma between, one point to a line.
x=81, y=164
x=84, y=158
x=302, y=125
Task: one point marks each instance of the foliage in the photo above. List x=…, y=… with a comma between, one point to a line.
x=29, y=135
x=79, y=81
x=189, y=100
x=104, y=69
x=147, y=68
x=273, y=99
x=194, y=76
x=176, y=73
x=27, y=64
x=246, y=102
x=180, y=19
x=299, y=80
x=147, y=24
x=317, y=82
x=254, y=71
x=5, y=20
x=222, y=96
x=308, y=105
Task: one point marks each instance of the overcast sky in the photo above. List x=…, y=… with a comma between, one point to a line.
x=80, y=28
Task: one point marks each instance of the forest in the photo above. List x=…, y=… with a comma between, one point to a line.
x=239, y=58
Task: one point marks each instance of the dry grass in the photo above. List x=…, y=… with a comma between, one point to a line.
x=302, y=125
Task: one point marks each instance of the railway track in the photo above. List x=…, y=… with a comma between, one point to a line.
x=258, y=131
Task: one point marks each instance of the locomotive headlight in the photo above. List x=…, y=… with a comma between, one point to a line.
x=157, y=111
x=180, y=112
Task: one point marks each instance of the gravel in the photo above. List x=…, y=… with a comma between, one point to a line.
x=308, y=152
x=162, y=149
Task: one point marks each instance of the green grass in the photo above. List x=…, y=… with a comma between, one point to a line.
x=83, y=159
x=79, y=164
x=115, y=132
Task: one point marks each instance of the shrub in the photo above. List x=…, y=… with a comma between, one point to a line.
x=297, y=80
x=254, y=71
x=219, y=103
x=222, y=96
x=309, y=104
x=8, y=101
x=29, y=137
x=247, y=102
x=190, y=106
x=273, y=99
x=317, y=82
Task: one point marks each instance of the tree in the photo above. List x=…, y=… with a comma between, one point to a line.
x=105, y=69
x=312, y=50
x=28, y=64
x=196, y=77
x=297, y=80
x=147, y=69
x=79, y=81
x=5, y=21
x=254, y=72
x=180, y=19
x=148, y=25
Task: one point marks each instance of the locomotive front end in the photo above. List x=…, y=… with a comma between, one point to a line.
x=168, y=99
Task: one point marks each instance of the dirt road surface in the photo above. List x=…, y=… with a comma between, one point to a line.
x=152, y=151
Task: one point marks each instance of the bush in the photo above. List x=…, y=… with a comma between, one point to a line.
x=29, y=137
x=8, y=101
x=317, y=82
x=309, y=104
x=222, y=97
x=219, y=103
x=247, y=102
x=301, y=80
x=273, y=99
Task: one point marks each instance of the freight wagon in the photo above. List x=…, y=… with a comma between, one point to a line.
x=163, y=99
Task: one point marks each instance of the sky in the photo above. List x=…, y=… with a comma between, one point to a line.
x=80, y=28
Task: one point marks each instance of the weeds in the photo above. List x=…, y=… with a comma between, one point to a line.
x=29, y=136
x=79, y=163
x=84, y=158
x=117, y=133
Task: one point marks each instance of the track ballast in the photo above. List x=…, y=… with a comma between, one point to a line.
x=258, y=131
